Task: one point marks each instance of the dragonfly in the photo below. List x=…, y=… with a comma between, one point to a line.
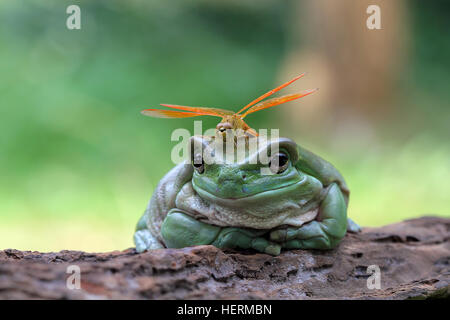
x=231, y=120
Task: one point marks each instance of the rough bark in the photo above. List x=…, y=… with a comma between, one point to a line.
x=413, y=256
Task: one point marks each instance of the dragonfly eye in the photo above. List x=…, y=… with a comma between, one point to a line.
x=222, y=127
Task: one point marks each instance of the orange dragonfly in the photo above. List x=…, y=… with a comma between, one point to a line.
x=230, y=120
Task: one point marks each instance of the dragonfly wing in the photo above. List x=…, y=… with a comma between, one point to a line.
x=271, y=92
x=203, y=110
x=276, y=101
x=156, y=113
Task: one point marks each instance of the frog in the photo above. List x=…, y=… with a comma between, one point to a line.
x=295, y=200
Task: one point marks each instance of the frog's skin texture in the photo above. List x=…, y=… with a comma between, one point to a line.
x=234, y=205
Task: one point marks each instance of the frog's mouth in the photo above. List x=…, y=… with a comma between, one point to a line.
x=256, y=198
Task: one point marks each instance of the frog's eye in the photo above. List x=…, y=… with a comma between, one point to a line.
x=279, y=162
x=198, y=164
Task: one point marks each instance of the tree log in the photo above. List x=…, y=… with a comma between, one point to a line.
x=413, y=258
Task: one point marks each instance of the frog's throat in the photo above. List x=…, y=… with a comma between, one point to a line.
x=256, y=198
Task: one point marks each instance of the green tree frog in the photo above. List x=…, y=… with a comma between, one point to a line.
x=295, y=200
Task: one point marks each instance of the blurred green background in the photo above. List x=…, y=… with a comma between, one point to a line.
x=78, y=163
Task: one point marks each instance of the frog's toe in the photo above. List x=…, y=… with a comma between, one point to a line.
x=273, y=249
x=352, y=226
x=263, y=245
x=144, y=240
x=282, y=235
x=293, y=244
x=279, y=235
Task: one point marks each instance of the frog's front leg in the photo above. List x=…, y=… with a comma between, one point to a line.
x=325, y=232
x=180, y=230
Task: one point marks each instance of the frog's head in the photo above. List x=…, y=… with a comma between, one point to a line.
x=264, y=169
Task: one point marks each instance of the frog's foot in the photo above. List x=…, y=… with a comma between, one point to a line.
x=145, y=240
x=246, y=239
x=180, y=230
x=325, y=233
x=352, y=226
